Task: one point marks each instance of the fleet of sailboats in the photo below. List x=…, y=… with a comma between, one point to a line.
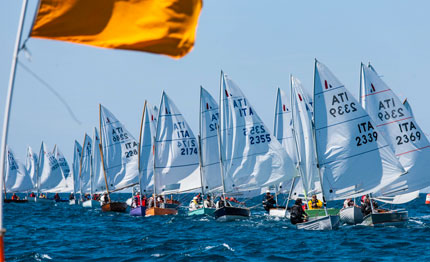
x=330, y=145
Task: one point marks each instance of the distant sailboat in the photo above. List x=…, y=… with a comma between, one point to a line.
x=16, y=178
x=148, y=128
x=210, y=173
x=31, y=164
x=119, y=154
x=85, y=174
x=49, y=174
x=250, y=157
x=77, y=152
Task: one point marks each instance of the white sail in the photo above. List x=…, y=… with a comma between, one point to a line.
x=400, y=129
x=176, y=153
x=120, y=152
x=62, y=162
x=31, y=164
x=284, y=125
x=77, y=152
x=147, y=133
x=209, y=116
x=98, y=177
x=303, y=131
x=17, y=178
x=353, y=156
x=50, y=175
x=252, y=156
x=11, y=170
x=85, y=166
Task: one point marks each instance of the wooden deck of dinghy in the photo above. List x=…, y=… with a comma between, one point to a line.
x=158, y=211
x=114, y=207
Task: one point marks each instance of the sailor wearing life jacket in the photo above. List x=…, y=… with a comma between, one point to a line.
x=314, y=203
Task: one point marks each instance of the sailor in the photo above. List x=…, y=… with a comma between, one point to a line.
x=42, y=195
x=268, y=201
x=297, y=214
x=57, y=197
x=199, y=198
x=32, y=194
x=15, y=197
x=105, y=198
x=366, y=207
x=194, y=205
x=143, y=201
x=348, y=203
x=208, y=203
x=72, y=196
x=136, y=199
x=314, y=203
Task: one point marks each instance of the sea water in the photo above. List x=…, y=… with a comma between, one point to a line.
x=59, y=232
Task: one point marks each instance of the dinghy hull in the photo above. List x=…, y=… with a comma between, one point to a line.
x=351, y=215
x=15, y=200
x=73, y=202
x=390, y=218
x=91, y=203
x=139, y=211
x=204, y=211
x=278, y=212
x=114, y=207
x=320, y=223
x=31, y=199
x=231, y=213
x=158, y=211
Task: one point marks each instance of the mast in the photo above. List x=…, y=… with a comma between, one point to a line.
x=140, y=146
x=221, y=163
x=38, y=169
x=154, y=176
x=6, y=117
x=299, y=157
x=101, y=151
x=200, y=143
x=199, y=140
x=104, y=171
x=220, y=110
x=80, y=167
x=316, y=149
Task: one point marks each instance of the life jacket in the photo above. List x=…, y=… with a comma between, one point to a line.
x=144, y=202
x=14, y=197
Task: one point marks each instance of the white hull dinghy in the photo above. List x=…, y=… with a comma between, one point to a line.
x=91, y=203
x=279, y=212
x=351, y=215
x=320, y=223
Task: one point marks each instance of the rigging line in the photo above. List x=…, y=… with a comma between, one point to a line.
x=50, y=88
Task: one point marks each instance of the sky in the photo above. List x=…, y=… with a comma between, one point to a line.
x=257, y=43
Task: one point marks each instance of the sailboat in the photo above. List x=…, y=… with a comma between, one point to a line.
x=16, y=178
x=353, y=158
x=119, y=156
x=405, y=138
x=85, y=174
x=175, y=159
x=50, y=176
x=77, y=151
x=208, y=150
x=250, y=157
x=146, y=158
x=31, y=167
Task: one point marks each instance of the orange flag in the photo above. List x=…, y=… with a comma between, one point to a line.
x=158, y=26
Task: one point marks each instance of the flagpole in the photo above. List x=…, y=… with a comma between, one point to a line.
x=6, y=118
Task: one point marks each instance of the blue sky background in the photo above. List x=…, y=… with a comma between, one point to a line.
x=257, y=43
